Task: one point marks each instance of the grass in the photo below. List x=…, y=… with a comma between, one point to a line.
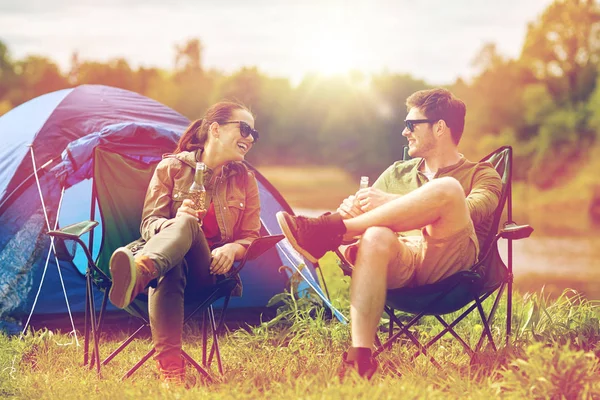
x=553, y=354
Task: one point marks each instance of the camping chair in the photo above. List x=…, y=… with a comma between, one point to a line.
x=119, y=188
x=466, y=288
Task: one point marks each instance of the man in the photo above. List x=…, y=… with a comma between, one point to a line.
x=448, y=199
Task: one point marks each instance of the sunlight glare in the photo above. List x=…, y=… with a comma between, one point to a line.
x=334, y=55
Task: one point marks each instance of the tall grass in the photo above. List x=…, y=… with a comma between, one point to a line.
x=553, y=354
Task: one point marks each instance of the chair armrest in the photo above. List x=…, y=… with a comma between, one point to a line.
x=260, y=245
x=255, y=250
x=74, y=231
x=515, y=232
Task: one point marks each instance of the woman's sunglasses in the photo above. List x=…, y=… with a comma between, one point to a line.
x=245, y=129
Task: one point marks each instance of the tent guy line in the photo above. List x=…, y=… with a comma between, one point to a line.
x=51, y=250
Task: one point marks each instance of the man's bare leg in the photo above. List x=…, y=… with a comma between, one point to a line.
x=439, y=206
x=378, y=248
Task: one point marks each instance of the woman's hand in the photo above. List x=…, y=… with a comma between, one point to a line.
x=224, y=256
x=187, y=207
x=371, y=198
x=350, y=208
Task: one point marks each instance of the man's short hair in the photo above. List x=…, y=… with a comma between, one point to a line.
x=438, y=104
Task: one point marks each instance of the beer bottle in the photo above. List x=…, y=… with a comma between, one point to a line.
x=364, y=182
x=197, y=190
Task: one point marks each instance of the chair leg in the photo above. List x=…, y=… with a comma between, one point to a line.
x=204, y=337
x=96, y=353
x=317, y=266
x=378, y=343
x=422, y=349
x=491, y=316
x=87, y=327
x=219, y=326
x=99, y=322
x=404, y=330
x=222, y=316
x=391, y=327
x=102, y=310
x=215, y=343
x=449, y=328
x=138, y=364
x=509, y=309
x=146, y=324
x=198, y=367
x=123, y=345
x=486, y=326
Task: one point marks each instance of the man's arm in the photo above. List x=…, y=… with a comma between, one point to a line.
x=483, y=199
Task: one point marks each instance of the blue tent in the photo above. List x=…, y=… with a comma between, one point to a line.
x=53, y=136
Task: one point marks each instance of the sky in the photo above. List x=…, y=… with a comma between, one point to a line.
x=434, y=40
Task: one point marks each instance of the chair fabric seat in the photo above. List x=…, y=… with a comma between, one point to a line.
x=446, y=296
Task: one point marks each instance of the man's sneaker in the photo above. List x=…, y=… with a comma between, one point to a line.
x=129, y=277
x=365, y=366
x=312, y=237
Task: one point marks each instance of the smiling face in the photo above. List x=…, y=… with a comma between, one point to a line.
x=231, y=145
x=422, y=140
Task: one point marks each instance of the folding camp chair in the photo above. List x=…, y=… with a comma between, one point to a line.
x=119, y=188
x=466, y=288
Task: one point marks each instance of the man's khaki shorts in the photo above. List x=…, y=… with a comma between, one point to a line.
x=421, y=260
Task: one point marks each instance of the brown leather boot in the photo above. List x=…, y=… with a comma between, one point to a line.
x=129, y=276
x=172, y=372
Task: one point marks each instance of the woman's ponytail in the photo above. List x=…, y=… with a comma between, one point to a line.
x=189, y=139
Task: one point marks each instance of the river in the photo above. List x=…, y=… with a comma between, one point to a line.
x=559, y=262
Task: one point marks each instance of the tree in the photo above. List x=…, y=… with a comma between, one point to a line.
x=188, y=57
x=193, y=86
x=8, y=79
x=37, y=75
x=495, y=98
x=115, y=73
x=562, y=48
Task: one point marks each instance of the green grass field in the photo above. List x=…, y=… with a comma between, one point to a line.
x=553, y=355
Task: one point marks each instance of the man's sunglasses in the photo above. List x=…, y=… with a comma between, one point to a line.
x=410, y=123
x=245, y=129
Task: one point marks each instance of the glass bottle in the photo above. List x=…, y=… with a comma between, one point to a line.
x=197, y=190
x=364, y=182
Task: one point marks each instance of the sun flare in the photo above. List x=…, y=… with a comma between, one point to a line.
x=334, y=55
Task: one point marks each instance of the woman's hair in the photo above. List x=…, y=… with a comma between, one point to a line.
x=196, y=135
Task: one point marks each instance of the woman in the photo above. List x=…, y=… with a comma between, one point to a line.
x=182, y=244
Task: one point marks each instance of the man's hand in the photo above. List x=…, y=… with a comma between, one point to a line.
x=350, y=208
x=371, y=198
x=187, y=207
x=223, y=258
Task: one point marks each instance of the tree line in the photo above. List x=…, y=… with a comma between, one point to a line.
x=545, y=103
